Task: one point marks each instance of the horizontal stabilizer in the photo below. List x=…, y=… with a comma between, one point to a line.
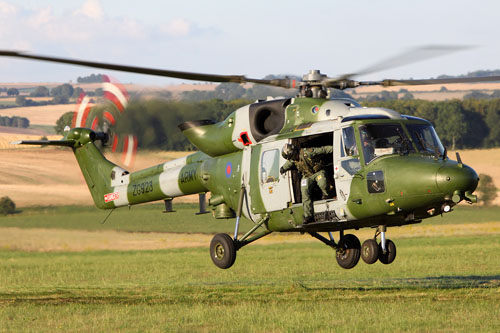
x=65, y=143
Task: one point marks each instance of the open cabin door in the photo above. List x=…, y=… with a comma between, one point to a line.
x=272, y=188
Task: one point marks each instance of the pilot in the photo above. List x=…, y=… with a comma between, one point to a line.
x=367, y=145
x=308, y=162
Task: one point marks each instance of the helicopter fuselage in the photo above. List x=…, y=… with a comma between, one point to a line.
x=404, y=177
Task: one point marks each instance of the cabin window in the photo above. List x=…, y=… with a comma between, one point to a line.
x=270, y=166
x=375, y=182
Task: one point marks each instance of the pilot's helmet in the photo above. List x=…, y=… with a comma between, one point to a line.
x=365, y=135
x=289, y=151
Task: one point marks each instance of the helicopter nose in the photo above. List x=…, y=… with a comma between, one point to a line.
x=457, y=181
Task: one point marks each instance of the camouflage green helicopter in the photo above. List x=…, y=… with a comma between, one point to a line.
x=384, y=169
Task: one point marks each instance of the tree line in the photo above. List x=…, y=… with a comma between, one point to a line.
x=155, y=121
x=92, y=78
x=470, y=123
x=61, y=94
x=14, y=121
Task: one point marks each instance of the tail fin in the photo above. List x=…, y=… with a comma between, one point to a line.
x=96, y=169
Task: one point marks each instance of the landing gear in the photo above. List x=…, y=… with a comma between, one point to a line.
x=348, y=251
x=222, y=251
x=390, y=252
x=370, y=251
x=387, y=248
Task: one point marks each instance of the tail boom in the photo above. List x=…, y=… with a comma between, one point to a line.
x=112, y=186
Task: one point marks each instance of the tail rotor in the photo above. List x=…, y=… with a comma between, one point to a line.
x=104, y=117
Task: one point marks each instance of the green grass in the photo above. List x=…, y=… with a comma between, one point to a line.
x=443, y=284
x=149, y=218
x=437, y=283
x=467, y=214
x=7, y=103
x=144, y=218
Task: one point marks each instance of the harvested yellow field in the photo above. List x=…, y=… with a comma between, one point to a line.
x=36, y=99
x=485, y=161
x=51, y=176
x=40, y=115
x=7, y=138
x=433, y=87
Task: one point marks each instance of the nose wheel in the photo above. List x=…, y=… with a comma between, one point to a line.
x=390, y=252
x=387, y=248
x=370, y=251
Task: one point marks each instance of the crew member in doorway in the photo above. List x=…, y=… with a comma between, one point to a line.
x=308, y=162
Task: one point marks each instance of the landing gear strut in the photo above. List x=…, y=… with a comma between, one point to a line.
x=223, y=248
x=390, y=252
x=347, y=250
x=387, y=248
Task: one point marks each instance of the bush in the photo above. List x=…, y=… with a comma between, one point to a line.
x=487, y=190
x=63, y=121
x=7, y=206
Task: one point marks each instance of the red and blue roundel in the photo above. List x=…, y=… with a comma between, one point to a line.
x=315, y=109
x=229, y=169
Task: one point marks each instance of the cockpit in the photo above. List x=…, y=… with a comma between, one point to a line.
x=384, y=138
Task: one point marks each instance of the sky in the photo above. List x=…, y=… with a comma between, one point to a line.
x=252, y=38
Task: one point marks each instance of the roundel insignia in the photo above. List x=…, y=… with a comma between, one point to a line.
x=229, y=169
x=315, y=109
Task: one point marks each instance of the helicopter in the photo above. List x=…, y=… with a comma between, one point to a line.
x=384, y=169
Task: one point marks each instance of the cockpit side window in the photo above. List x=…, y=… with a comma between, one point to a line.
x=349, y=142
x=425, y=138
x=349, y=151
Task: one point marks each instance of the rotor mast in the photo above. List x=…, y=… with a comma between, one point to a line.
x=312, y=85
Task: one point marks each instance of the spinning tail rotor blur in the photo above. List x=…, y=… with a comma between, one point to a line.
x=105, y=116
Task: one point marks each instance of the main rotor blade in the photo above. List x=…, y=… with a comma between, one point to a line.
x=151, y=71
x=388, y=83
x=411, y=56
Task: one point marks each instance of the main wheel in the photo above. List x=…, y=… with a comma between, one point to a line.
x=222, y=251
x=369, y=251
x=348, y=251
x=390, y=254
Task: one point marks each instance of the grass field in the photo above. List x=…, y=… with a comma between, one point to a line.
x=280, y=283
x=441, y=284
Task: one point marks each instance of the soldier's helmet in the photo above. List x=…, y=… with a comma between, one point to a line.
x=289, y=152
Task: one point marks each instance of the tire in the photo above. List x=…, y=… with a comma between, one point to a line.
x=390, y=255
x=348, y=251
x=222, y=251
x=370, y=251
